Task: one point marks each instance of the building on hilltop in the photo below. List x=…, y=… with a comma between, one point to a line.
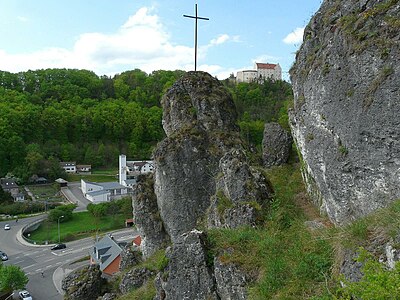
x=263, y=71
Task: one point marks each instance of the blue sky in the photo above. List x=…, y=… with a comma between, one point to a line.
x=113, y=36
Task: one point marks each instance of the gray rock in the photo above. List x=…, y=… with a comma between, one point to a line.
x=242, y=192
x=82, y=284
x=198, y=98
x=351, y=268
x=188, y=277
x=276, y=145
x=199, y=120
x=345, y=119
x=231, y=281
x=147, y=216
x=108, y=296
x=129, y=258
x=134, y=279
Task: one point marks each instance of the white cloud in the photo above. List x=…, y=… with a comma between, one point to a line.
x=142, y=42
x=22, y=19
x=294, y=37
x=223, y=38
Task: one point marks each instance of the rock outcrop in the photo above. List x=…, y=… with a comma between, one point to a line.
x=147, y=216
x=199, y=120
x=129, y=258
x=242, y=192
x=134, y=279
x=276, y=144
x=230, y=280
x=188, y=275
x=347, y=98
x=85, y=283
x=202, y=177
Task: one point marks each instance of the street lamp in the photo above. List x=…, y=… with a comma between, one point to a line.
x=58, y=221
x=9, y=296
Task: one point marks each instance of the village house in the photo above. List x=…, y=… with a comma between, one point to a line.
x=10, y=186
x=262, y=71
x=104, y=191
x=68, y=166
x=84, y=169
x=107, y=254
x=128, y=170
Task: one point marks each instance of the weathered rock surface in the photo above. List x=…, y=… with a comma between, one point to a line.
x=85, y=283
x=108, y=296
x=129, y=258
x=231, y=281
x=135, y=278
x=241, y=193
x=277, y=143
x=187, y=276
x=199, y=120
x=147, y=216
x=347, y=98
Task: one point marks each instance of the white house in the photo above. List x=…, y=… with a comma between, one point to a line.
x=103, y=192
x=129, y=169
x=261, y=71
x=68, y=166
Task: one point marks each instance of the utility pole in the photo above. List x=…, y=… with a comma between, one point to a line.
x=195, y=34
x=59, y=228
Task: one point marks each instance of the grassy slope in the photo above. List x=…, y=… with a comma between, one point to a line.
x=82, y=225
x=290, y=261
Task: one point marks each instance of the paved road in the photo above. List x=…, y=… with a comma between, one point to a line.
x=55, y=264
x=74, y=195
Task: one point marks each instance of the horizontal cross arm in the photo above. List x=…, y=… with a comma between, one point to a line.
x=201, y=18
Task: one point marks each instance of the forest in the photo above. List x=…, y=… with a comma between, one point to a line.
x=53, y=115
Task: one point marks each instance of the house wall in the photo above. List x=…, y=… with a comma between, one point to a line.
x=113, y=267
x=89, y=187
x=98, y=198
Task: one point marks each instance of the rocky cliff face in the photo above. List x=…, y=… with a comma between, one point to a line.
x=345, y=118
x=199, y=120
x=202, y=179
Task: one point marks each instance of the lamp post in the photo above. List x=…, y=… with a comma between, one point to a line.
x=58, y=221
x=9, y=296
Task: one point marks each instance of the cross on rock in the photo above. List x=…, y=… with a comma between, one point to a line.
x=195, y=34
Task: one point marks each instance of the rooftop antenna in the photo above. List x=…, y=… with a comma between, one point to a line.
x=195, y=33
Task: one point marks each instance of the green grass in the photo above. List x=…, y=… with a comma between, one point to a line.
x=47, y=192
x=82, y=225
x=92, y=177
x=289, y=260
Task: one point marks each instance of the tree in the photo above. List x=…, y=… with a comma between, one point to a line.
x=63, y=210
x=5, y=197
x=12, y=278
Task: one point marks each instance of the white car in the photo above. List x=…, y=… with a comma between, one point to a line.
x=7, y=227
x=24, y=295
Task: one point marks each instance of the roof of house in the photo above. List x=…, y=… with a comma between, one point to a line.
x=83, y=166
x=137, y=240
x=67, y=163
x=130, y=182
x=265, y=66
x=108, y=185
x=60, y=180
x=8, y=183
x=105, y=251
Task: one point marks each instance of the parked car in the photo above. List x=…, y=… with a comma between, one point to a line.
x=24, y=295
x=3, y=256
x=7, y=227
x=58, y=247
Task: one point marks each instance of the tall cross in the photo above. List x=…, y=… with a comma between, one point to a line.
x=195, y=34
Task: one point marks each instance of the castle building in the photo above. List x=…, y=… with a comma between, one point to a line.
x=263, y=71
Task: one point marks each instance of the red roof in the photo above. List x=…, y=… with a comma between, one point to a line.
x=137, y=240
x=265, y=66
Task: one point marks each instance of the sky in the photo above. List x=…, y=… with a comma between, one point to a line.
x=113, y=36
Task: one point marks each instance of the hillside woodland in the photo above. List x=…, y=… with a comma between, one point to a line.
x=53, y=115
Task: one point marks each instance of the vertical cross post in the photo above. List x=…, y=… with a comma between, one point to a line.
x=195, y=34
